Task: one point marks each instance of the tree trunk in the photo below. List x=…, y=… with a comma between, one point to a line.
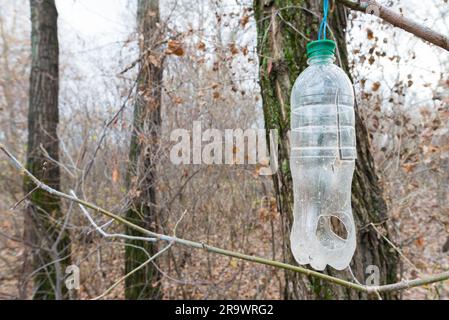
x=282, y=27
x=45, y=231
x=145, y=283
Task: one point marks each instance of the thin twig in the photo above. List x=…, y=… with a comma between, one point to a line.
x=133, y=271
x=23, y=199
x=177, y=222
x=395, y=248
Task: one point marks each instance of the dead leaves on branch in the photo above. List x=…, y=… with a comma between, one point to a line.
x=244, y=20
x=202, y=46
x=233, y=48
x=175, y=47
x=376, y=85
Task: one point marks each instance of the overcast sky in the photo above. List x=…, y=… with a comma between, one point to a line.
x=96, y=19
x=98, y=28
x=93, y=34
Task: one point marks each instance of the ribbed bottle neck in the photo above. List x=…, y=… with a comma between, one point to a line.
x=321, y=60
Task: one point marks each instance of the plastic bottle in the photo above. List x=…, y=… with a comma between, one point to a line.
x=323, y=153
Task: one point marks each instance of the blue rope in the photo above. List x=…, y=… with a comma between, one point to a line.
x=323, y=25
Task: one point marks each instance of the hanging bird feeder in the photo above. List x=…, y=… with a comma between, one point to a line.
x=323, y=153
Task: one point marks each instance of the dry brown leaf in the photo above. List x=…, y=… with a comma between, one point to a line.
x=233, y=48
x=244, y=20
x=409, y=167
x=375, y=86
x=115, y=175
x=178, y=100
x=420, y=242
x=175, y=47
x=202, y=46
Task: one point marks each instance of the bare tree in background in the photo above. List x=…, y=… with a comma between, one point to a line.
x=145, y=283
x=44, y=230
x=284, y=28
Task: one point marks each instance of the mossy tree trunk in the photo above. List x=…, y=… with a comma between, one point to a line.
x=145, y=284
x=45, y=233
x=284, y=29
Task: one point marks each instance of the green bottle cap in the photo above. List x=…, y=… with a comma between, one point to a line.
x=320, y=48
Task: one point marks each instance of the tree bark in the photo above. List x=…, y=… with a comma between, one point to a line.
x=145, y=284
x=284, y=29
x=44, y=229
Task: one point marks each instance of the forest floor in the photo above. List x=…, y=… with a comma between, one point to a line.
x=198, y=275
x=423, y=230
x=202, y=275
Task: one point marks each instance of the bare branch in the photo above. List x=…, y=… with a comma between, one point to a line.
x=23, y=199
x=404, y=285
x=400, y=21
x=102, y=232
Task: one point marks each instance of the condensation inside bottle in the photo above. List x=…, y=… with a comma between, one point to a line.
x=323, y=152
